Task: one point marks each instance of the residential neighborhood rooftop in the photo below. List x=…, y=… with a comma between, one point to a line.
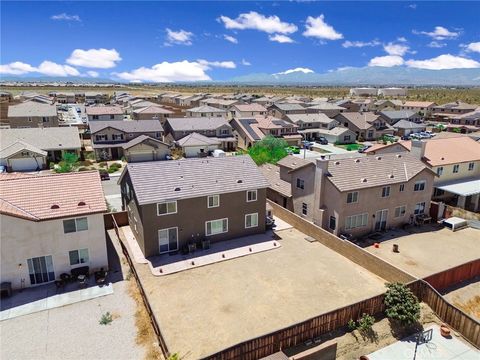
x=51, y=138
x=104, y=110
x=196, y=123
x=129, y=126
x=31, y=109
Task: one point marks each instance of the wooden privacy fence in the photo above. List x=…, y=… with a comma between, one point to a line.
x=113, y=221
x=453, y=276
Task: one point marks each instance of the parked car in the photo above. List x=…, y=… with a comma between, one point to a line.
x=308, y=144
x=269, y=222
x=364, y=148
x=104, y=176
x=322, y=140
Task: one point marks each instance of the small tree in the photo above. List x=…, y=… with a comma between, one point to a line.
x=268, y=150
x=68, y=164
x=401, y=304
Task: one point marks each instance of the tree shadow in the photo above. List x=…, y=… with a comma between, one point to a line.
x=400, y=331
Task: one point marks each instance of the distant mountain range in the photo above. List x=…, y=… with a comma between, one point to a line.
x=370, y=76
x=375, y=76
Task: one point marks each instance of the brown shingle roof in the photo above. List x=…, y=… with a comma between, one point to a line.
x=104, y=110
x=293, y=163
x=32, y=197
x=272, y=173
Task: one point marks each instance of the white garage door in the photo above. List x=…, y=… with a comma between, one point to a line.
x=25, y=164
x=139, y=157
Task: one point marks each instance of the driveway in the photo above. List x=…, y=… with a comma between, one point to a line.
x=112, y=192
x=331, y=149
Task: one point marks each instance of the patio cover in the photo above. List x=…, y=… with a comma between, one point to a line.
x=462, y=188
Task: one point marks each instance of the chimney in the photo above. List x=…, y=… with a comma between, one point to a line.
x=321, y=170
x=418, y=149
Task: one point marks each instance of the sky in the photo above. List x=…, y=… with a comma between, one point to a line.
x=219, y=40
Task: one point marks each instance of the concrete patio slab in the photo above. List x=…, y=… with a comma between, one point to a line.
x=281, y=225
x=49, y=301
x=438, y=348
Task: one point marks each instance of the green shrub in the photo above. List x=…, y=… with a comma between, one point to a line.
x=106, y=319
x=365, y=323
x=103, y=164
x=83, y=169
x=268, y=150
x=68, y=164
x=401, y=304
x=352, y=325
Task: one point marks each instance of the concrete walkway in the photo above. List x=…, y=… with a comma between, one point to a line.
x=48, y=301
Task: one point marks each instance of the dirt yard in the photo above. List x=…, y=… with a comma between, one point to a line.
x=466, y=297
x=204, y=310
x=431, y=251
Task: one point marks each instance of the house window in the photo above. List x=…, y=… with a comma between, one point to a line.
x=45, y=119
x=112, y=117
x=355, y=221
x=78, y=256
x=400, y=211
x=419, y=208
x=455, y=168
x=251, y=195
x=385, y=191
x=300, y=184
x=346, y=138
x=213, y=201
x=40, y=269
x=101, y=137
x=402, y=187
x=438, y=192
x=471, y=166
x=117, y=137
x=440, y=171
x=95, y=117
x=304, y=209
x=251, y=220
x=215, y=227
x=158, y=135
x=75, y=225
x=332, y=223
x=419, y=186
x=352, y=197
x=167, y=208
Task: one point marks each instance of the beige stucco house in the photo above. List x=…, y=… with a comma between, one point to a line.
x=61, y=230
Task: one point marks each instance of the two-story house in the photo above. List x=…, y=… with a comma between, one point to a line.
x=104, y=113
x=329, y=109
x=32, y=114
x=172, y=204
x=280, y=110
x=152, y=112
x=394, y=116
x=206, y=111
x=247, y=110
x=60, y=230
x=216, y=128
x=367, y=125
x=424, y=108
x=250, y=130
x=111, y=138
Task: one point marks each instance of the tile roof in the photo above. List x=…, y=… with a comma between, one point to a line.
x=32, y=197
x=294, y=163
x=372, y=171
x=399, y=114
x=272, y=174
x=197, y=123
x=250, y=107
x=325, y=106
x=288, y=107
x=451, y=151
x=405, y=124
x=104, y=110
x=418, y=103
x=140, y=139
x=31, y=109
x=309, y=118
x=360, y=120
x=196, y=139
x=51, y=138
x=206, y=109
x=128, y=126
x=18, y=146
x=159, y=181
x=152, y=109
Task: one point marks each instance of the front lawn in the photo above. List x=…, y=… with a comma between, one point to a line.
x=350, y=147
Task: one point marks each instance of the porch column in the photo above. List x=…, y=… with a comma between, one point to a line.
x=475, y=199
x=461, y=201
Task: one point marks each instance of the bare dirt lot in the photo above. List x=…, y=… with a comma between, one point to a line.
x=466, y=297
x=426, y=253
x=204, y=310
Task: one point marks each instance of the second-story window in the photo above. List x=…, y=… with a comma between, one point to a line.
x=300, y=184
x=352, y=197
x=402, y=188
x=213, y=201
x=440, y=170
x=167, y=208
x=455, y=168
x=75, y=225
x=251, y=195
x=419, y=186
x=471, y=166
x=304, y=209
x=386, y=191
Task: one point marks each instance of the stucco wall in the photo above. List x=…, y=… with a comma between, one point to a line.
x=23, y=239
x=463, y=172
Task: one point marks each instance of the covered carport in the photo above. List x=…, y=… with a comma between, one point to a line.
x=466, y=192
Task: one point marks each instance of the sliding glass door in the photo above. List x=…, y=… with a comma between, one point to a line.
x=40, y=269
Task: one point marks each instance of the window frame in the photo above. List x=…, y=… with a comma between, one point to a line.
x=456, y=168
x=386, y=189
x=419, y=185
x=400, y=213
x=354, y=196
x=80, y=263
x=363, y=221
x=439, y=171
x=75, y=222
x=423, y=210
x=251, y=226
x=300, y=183
x=401, y=188
x=304, y=208
x=213, y=197
x=471, y=166
x=334, y=219
x=218, y=233
x=253, y=192
x=166, y=204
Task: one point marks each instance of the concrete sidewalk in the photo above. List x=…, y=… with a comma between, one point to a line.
x=48, y=301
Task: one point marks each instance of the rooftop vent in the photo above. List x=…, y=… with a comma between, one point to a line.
x=177, y=189
x=239, y=181
x=379, y=158
x=363, y=180
x=399, y=156
x=54, y=206
x=391, y=176
x=337, y=162
x=357, y=160
x=82, y=203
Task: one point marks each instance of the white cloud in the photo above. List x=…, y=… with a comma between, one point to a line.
x=436, y=44
x=283, y=39
x=402, y=39
x=220, y=64
x=318, y=28
x=53, y=69
x=48, y=68
x=232, y=39
x=66, y=17
x=474, y=47
x=299, y=69
x=180, y=37
x=93, y=74
x=386, y=61
x=255, y=21
x=94, y=58
x=442, y=62
x=360, y=44
x=16, y=68
x=439, y=33
x=246, y=63
x=395, y=49
x=412, y=6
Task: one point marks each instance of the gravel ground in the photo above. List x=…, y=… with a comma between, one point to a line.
x=466, y=297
